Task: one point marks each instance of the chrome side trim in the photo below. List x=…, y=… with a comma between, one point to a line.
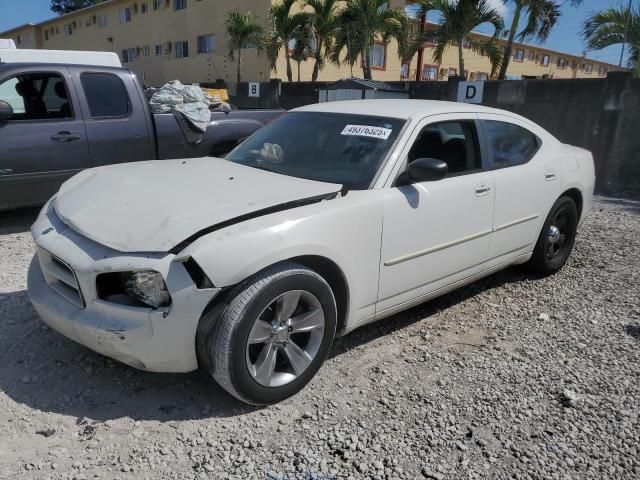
x=516, y=222
x=436, y=248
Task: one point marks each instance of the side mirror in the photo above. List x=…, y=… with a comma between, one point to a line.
x=425, y=170
x=6, y=111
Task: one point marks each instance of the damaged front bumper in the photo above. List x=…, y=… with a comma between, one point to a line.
x=62, y=288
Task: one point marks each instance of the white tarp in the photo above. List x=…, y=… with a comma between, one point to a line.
x=189, y=100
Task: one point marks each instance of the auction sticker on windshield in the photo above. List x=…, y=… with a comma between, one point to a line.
x=367, y=131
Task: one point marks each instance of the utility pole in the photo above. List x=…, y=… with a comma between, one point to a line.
x=626, y=33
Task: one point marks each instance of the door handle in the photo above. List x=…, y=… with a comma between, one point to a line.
x=65, y=136
x=482, y=189
x=550, y=175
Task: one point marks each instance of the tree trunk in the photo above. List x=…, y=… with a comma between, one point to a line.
x=316, y=66
x=288, y=59
x=460, y=59
x=239, y=63
x=366, y=66
x=299, y=71
x=512, y=34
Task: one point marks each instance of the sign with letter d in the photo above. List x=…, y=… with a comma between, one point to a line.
x=470, y=92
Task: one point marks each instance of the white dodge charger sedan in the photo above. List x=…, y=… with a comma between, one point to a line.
x=331, y=217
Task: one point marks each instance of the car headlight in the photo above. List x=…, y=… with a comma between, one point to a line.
x=148, y=287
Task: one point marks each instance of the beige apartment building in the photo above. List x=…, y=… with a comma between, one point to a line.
x=163, y=40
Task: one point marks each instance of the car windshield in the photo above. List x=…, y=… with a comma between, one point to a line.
x=328, y=147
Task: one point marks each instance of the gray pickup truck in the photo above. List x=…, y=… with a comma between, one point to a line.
x=56, y=120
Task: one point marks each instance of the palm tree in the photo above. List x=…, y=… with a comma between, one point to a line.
x=615, y=27
x=459, y=19
x=281, y=28
x=362, y=23
x=325, y=22
x=541, y=15
x=302, y=40
x=243, y=32
x=410, y=41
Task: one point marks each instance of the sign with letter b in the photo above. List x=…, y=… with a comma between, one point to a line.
x=470, y=92
x=254, y=89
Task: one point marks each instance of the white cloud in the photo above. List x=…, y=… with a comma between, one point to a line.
x=500, y=6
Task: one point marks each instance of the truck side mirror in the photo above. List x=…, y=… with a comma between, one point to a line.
x=6, y=111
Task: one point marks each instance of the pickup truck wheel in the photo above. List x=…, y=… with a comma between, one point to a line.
x=273, y=335
x=556, y=239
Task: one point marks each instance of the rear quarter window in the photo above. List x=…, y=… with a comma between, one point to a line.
x=510, y=144
x=106, y=95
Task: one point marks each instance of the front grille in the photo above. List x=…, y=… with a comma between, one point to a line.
x=60, y=277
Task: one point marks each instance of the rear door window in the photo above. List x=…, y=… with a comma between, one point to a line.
x=106, y=95
x=510, y=144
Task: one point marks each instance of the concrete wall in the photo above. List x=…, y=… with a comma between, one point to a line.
x=601, y=115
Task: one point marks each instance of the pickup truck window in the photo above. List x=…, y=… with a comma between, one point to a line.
x=106, y=95
x=327, y=147
x=37, y=96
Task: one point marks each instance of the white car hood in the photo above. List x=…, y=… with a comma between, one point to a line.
x=153, y=206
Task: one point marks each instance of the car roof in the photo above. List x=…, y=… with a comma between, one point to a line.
x=398, y=108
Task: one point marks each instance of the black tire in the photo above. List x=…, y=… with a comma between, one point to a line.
x=552, y=251
x=223, y=335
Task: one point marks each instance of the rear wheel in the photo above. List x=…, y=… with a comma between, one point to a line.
x=272, y=336
x=556, y=239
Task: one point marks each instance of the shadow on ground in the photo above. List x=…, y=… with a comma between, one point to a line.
x=17, y=221
x=48, y=372
x=625, y=204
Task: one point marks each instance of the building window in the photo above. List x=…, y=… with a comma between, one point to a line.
x=156, y=4
x=602, y=70
x=404, y=71
x=102, y=20
x=452, y=72
x=562, y=63
x=532, y=56
x=182, y=49
x=206, y=43
x=518, y=56
x=159, y=49
x=545, y=60
x=127, y=55
x=18, y=40
x=144, y=7
x=179, y=4
x=466, y=43
x=145, y=51
x=68, y=30
x=125, y=15
x=377, y=56
x=46, y=35
x=430, y=72
x=588, y=68
x=482, y=76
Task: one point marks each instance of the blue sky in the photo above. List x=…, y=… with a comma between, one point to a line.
x=565, y=37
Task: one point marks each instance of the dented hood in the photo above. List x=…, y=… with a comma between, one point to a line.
x=154, y=205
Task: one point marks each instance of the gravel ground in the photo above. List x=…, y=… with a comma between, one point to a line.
x=511, y=377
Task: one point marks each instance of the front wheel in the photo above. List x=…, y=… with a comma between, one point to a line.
x=272, y=336
x=556, y=239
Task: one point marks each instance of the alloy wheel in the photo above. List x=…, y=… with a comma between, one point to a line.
x=285, y=338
